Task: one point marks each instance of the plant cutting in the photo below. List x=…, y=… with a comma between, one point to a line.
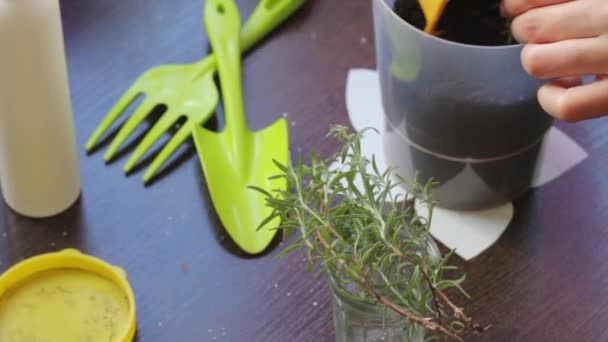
x=388, y=280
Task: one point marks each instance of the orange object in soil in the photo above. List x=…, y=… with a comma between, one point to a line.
x=432, y=9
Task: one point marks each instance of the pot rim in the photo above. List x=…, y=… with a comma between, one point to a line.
x=425, y=35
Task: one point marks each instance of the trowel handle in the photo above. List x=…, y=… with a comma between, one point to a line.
x=266, y=17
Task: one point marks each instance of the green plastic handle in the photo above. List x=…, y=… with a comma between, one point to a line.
x=267, y=15
x=223, y=23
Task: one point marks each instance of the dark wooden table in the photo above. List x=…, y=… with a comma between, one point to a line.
x=545, y=280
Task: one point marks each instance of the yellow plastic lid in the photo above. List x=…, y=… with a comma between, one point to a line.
x=66, y=297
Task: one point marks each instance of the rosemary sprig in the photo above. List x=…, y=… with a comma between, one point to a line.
x=370, y=242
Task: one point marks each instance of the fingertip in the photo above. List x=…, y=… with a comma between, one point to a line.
x=509, y=8
x=533, y=60
x=554, y=100
x=518, y=30
x=544, y=98
x=503, y=9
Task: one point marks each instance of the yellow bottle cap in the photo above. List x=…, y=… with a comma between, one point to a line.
x=66, y=296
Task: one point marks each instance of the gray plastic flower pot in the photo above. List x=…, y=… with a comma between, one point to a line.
x=465, y=115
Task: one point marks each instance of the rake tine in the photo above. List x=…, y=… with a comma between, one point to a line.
x=160, y=128
x=138, y=116
x=124, y=102
x=176, y=141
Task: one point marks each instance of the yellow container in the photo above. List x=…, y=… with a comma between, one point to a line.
x=66, y=297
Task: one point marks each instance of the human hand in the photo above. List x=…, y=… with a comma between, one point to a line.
x=565, y=40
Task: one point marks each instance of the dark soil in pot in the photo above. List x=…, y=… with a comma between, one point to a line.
x=474, y=22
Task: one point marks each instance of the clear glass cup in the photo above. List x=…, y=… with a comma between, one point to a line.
x=355, y=321
x=359, y=321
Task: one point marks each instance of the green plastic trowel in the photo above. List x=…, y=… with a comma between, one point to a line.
x=237, y=158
